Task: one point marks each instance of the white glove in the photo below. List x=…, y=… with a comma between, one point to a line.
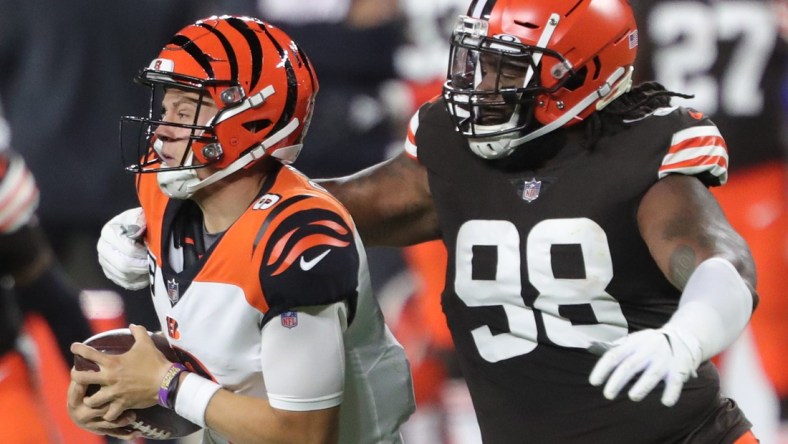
x=121, y=252
x=661, y=355
x=714, y=308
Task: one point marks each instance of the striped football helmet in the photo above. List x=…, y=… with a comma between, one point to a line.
x=260, y=80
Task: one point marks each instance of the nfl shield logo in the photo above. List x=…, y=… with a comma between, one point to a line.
x=531, y=189
x=289, y=319
x=172, y=291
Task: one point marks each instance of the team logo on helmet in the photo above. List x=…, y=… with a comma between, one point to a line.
x=162, y=65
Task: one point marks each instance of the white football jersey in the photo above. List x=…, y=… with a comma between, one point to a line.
x=213, y=301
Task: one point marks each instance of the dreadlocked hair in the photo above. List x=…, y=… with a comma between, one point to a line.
x=639, y=102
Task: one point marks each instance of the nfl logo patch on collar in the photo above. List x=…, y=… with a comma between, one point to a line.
x=172, y=291
x=289, y=319
x=530, y=187
x=531, y=190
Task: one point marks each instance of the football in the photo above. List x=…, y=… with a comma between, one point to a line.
x=154, y=422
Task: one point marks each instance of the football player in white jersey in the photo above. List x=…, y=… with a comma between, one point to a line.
x=258, y=276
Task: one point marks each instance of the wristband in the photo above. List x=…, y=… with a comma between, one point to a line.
x=169, y=384
x=193, y=397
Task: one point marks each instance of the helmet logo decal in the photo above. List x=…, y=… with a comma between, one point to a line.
x=162, y=65
x=633, y=39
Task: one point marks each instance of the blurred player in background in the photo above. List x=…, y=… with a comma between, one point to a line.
x=94, y=48
x=257, y=274
x=31, y=285
x=732, y=55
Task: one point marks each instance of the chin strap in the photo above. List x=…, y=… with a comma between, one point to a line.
x=285, y=154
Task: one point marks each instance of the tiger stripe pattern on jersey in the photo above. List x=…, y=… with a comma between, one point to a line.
x=295, y=233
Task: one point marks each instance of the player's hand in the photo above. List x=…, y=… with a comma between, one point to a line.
x=92, y=419
x=121, y=251
x=128, y=381
x=648, y=357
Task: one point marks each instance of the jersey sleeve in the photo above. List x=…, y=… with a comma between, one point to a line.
x=305, y=339
x=311, y=256
x=19, y=193
x=696, y=149
x=410, y=141
x=411, y=147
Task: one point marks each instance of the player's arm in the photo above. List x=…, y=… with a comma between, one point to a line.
x=303, y=368
x=304, y=372
x=683, y=225
x=391, y=202
x=701, y=254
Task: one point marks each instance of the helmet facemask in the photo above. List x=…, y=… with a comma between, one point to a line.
x=141, y=139
x=494, y=84
x=573, y=56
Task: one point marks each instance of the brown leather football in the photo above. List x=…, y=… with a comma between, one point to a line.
x=154, y=422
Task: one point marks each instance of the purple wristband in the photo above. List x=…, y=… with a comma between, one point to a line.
x=167, y=383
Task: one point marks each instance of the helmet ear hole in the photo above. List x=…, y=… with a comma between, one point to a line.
x=256, y=126
x=577, y=79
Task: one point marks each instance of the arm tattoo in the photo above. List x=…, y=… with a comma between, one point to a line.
x=682, y=264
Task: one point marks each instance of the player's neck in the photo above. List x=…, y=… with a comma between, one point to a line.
x=225, y=201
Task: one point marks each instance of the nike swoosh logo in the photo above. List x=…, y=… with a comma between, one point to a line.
x=307, y=265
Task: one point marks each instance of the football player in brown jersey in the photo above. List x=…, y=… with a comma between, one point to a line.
x=591, y=274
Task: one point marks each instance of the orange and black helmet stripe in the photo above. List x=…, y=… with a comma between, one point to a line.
x=255, y=48
x=193, y=50
x=292, y=85
x=228, y=48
